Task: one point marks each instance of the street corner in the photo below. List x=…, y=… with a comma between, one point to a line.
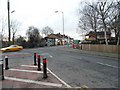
x=28, y=76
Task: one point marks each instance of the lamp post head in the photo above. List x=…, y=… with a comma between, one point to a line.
x=13, y=11
x=56, y=11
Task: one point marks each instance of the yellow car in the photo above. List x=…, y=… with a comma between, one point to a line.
x=11, y=48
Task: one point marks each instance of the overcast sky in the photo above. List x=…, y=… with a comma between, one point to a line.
x=41, y=13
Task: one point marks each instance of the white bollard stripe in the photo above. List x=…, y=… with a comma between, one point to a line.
x=34, y=82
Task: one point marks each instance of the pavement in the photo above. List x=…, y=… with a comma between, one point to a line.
x=27, y=76
x=70, y=49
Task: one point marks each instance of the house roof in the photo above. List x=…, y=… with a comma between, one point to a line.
x=57, y=36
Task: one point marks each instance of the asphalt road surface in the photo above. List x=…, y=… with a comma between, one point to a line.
x=75, y=68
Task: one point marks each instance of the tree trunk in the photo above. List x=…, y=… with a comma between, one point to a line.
x=106, y=37
x=105, y=30
x=118, y=41
x=13, y=39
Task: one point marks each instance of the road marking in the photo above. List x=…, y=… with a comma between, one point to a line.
x=1, y=62
x=26, y=70
x=84, y=87
x=34, y=82
x=52, y=74
x=15, y=53
x=28, y=66
x=59, y=78
x=107, y=65
x=47, y=54
x=50, y=56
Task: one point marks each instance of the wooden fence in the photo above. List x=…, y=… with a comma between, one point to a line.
x=102, y=48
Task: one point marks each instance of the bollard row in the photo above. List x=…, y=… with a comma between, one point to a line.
x=39, y=65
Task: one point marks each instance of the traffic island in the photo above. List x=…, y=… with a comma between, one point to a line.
x=27, y=76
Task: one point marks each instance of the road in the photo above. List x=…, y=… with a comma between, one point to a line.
x=75, y=68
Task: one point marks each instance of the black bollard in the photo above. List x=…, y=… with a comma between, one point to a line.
x=35, y=59
x=44, y=68
x=6, y=63
x=2, y=70
x=39, y=68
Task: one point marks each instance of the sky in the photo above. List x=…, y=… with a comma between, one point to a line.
x=41, y=13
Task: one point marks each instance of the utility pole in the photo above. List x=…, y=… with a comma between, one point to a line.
x=9, y=32
x=63, y=27
x=62, y=23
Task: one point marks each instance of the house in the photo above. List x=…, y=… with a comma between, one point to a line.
x=98, y=37
x=56, y=39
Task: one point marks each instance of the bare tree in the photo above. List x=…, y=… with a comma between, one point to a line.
x=34, y=36
x=88, y=19
x=105, y=10
x=101, y=16
x=47, y=30
x=3, y=27
x=15, y=26
x=115, y=22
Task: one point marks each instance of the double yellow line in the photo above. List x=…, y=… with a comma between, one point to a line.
x=84, y=87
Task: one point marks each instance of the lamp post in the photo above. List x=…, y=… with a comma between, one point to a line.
x=62, y=22
x=9, y=32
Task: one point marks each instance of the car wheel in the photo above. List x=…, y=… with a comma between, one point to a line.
x=19, y=48
x=7, y=50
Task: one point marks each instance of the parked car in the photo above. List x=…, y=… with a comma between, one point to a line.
x=11, y=48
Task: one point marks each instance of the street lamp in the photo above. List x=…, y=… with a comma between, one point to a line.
x=62, y=22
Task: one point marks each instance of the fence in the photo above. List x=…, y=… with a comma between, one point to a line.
x=102, y=48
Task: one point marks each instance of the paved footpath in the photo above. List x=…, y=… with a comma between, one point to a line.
x=27, y=76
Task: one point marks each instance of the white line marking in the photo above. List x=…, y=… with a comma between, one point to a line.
x=34, y=82
x=1, y=62
x=107, y=65
x=28, y=66
x=52, y=74
x=50, y=56
x=59, y=78
x=47, y=54
x=26, y=70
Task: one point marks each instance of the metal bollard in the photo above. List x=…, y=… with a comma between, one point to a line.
x=39, y=68
x=6, y=63
x=2, y=70
x=35, y=59
x=44, y=68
